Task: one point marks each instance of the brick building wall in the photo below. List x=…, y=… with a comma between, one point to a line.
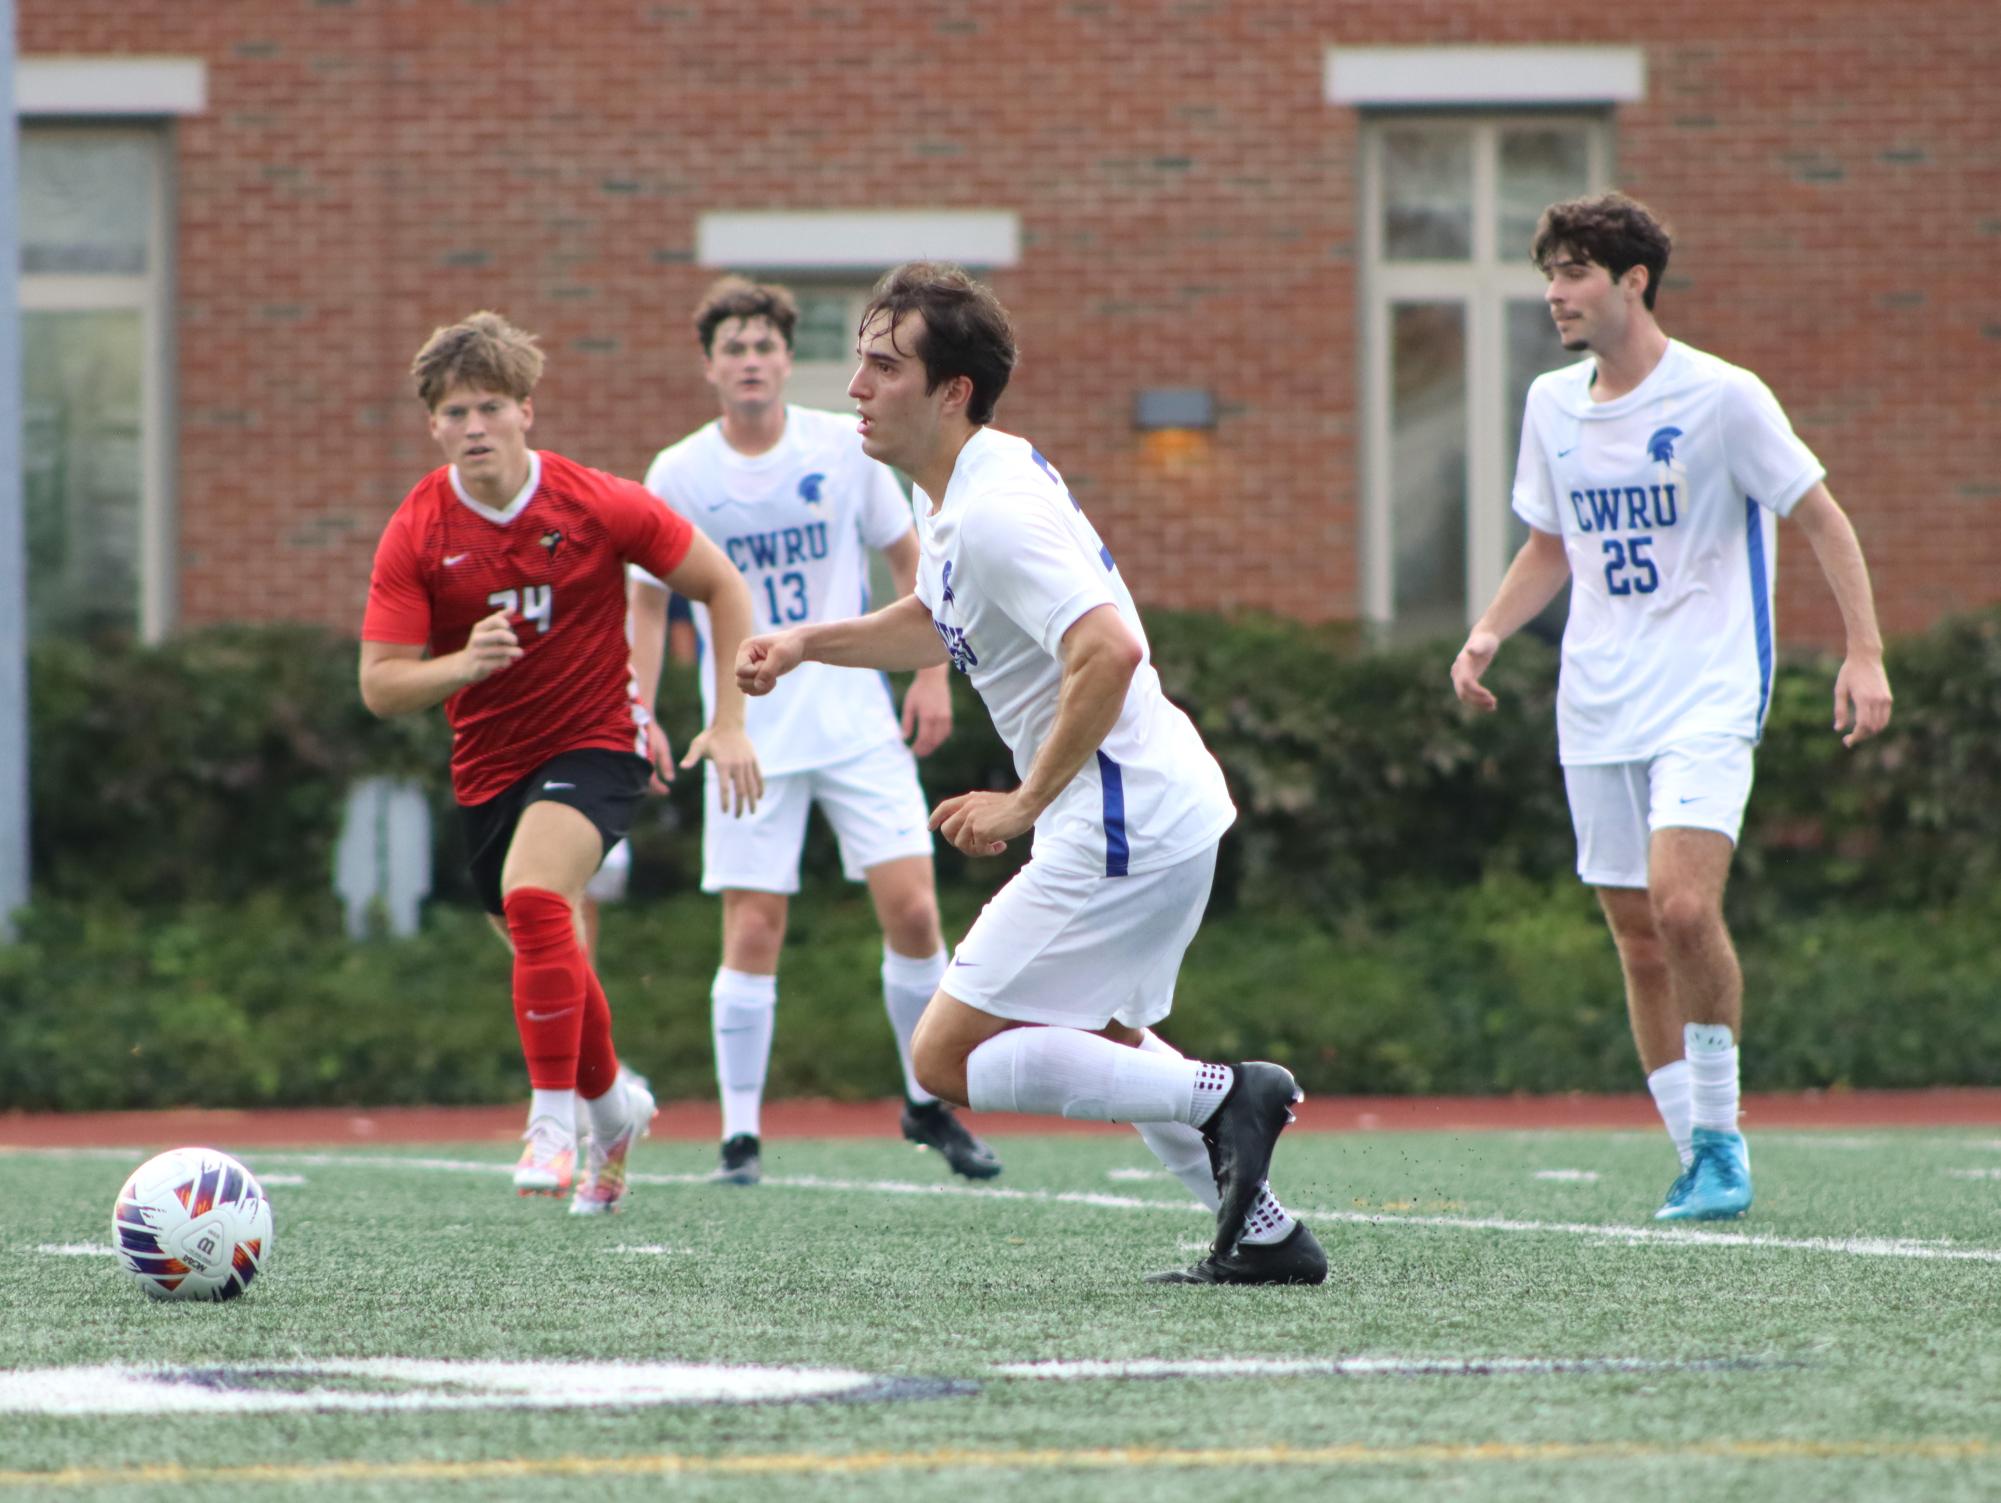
x=367, y=169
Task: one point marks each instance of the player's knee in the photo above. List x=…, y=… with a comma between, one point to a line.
x=910, y=924
x=1685, y=918
x=939, y=1068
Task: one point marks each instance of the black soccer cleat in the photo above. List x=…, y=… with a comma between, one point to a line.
x=1297, y=1260
x=932, y=1124
x=1241, y=1134
x=739, y=1163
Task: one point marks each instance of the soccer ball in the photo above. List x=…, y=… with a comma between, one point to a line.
x=192, y=1224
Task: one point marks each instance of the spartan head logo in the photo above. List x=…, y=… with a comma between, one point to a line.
x=1660, y=448
x=551, y=541
x=809, y=488
x=948, y=582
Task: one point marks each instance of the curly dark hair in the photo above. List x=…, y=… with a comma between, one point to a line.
x=966, y=330
x=1609, y=230
x=739, y=297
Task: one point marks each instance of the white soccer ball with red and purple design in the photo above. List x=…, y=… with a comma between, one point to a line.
x=192, y=1223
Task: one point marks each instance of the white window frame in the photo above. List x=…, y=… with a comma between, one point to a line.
x=129, y=97
x=1481, y=287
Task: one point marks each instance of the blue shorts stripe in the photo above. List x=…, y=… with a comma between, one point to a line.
x=1761, y=608
x=1116, y=852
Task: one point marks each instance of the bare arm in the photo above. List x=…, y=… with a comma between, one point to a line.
x=1537, y=573
x=1862, y=688
x=1100, y=657
x=397, y=679
x=896, y=638
x=927, y=703
x=646, y=610
x=707, y=575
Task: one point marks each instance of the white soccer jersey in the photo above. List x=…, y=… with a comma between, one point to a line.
x=798, y=521
x=1009, y=564
x=1667, y=501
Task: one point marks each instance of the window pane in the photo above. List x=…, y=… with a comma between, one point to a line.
x=86, y=201
x=825, y=330
x=1539, y=165
x=1532, y=349
x=81, y=470
x=1428, y=467
x=1427, y=195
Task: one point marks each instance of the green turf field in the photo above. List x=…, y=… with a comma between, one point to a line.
x=1503, y=1321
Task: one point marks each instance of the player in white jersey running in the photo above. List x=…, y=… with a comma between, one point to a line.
x=1049, y=1003
x=1651, y=476
x=787, y=493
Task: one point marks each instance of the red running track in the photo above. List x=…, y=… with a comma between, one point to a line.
x=698, y=1121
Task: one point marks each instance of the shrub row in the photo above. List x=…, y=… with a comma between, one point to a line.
x=214, y=767
x=1505, y=985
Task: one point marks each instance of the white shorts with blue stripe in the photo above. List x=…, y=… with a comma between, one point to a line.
x=1082, y=949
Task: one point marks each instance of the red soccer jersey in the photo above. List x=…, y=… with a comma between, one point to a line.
x=555, y=558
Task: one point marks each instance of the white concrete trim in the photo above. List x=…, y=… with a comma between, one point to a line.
x=860, y=239
x=110, y=86
x=1366, y=76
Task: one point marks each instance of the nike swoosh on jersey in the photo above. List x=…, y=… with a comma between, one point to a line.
x=455, y=558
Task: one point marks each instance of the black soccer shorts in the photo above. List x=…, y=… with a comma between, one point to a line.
x=603, y=786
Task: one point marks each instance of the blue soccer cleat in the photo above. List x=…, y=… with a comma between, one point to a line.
x=1716, y=1185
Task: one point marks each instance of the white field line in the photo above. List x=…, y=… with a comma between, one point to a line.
x=1083, y=1370
x=1569, y=1176
x=1974, y=1173
x=1638, y=1236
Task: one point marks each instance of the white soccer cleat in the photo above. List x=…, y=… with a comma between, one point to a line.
x=602, y=1187
x=548, y=1164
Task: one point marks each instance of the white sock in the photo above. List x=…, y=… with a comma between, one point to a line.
x=1712, y=1066
x=560, y=1106
x=743, y=1013
x=1672, y=1090
x=1184, y=1155
x=608, y=1112
x=907, y=988
x=1063, y=1072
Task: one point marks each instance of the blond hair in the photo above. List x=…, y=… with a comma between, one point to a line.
x=483, y=351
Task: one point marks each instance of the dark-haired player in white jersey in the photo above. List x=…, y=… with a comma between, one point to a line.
x=790, y=498
x=1048, y=1004
x=1651, y=477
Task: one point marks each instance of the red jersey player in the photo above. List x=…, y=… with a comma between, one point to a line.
x=499, y=589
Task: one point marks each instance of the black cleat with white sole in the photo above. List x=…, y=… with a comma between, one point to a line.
x=1241, y=1134
x=740, y=1162
x=932, y=1124
x=1297, y=1259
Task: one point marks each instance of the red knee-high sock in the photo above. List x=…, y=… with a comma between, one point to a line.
x=549, y=990
x=597, y=1065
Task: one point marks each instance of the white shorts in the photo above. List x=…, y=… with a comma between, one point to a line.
x=873, y=802
x=1081, y=949
x=1699, y=784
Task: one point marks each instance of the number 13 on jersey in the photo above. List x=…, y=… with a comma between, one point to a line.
x=785, y=596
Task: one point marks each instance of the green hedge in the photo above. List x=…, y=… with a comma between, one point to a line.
x=1394, y=912
x=214, y=768
x=1505, y=985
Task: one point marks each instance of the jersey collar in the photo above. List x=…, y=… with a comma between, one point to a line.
x=515, y=507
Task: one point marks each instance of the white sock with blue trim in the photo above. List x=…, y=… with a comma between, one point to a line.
x=1712, y=1068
